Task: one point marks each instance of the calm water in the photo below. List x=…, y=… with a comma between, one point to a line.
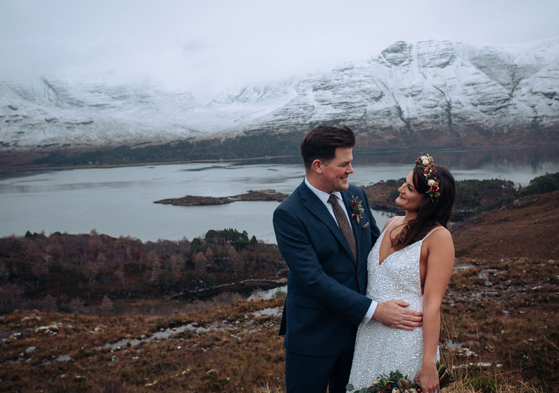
x=119, y=201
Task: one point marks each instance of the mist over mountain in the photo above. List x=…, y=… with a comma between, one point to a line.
x=435, y=93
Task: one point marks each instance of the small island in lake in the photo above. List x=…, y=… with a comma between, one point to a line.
x=193, y=200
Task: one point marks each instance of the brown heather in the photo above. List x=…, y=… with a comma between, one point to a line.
x=498, y=343
x=228, y=348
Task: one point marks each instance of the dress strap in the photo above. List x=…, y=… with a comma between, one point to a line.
x=392, y=222
x=432, y=230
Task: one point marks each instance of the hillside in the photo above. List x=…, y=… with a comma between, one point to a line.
x=506, y=222
x=529, y=229
x=500, y=333
x=471, y=195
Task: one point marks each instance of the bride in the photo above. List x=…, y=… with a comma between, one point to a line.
x=412, y=260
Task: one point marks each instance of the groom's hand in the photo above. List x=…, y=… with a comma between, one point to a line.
x=394, y=313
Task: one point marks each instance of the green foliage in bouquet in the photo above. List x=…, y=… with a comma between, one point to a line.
x=397, y=383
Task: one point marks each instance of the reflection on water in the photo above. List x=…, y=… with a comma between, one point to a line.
x=119, y=201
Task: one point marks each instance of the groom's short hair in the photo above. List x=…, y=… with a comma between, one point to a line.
x=321, y=142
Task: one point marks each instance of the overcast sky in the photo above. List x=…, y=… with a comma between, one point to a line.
x=208, y=45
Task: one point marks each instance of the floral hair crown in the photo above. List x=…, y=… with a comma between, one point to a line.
x=432, y=178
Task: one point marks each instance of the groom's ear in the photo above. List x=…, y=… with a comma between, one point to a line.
x=317, y=166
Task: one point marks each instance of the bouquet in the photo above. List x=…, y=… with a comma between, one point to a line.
x=397, y=383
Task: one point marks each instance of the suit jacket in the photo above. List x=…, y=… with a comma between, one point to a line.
x=326, y=285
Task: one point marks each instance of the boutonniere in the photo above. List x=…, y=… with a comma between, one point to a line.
x=356, y=208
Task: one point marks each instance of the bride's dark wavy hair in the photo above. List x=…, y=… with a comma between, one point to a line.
x=432, y=212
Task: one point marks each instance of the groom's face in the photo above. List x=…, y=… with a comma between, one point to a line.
x=336, y=172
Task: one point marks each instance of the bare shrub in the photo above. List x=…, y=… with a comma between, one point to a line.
x=48, y=304
x=76, y=306
x=106, y=305
x=10, y=298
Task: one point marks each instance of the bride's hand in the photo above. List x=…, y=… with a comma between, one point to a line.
x=428, y=378
x=394, y=313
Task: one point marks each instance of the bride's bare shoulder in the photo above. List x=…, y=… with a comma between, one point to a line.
x=391, y=220
x=439, y=235
x=442, y=232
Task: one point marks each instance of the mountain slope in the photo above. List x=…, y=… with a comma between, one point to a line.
x=443, y=90
x=432, y=93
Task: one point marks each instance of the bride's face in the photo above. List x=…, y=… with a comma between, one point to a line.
x=410, y=199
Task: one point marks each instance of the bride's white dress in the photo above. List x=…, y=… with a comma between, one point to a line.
x=380, y=349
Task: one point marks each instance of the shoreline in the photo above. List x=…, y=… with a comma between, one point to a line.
x=20, y=170
x=194, y=200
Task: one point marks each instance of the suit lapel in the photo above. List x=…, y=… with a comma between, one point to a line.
x=315, y=206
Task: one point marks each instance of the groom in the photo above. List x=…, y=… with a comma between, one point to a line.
x=325, y=231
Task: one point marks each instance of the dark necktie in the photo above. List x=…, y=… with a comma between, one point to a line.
x=343, y=223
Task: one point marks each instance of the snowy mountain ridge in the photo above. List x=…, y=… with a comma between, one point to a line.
x=440, y=91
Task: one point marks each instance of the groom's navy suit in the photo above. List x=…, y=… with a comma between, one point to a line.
x=326, y=285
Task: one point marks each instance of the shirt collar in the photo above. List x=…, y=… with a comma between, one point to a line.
x=323, y=196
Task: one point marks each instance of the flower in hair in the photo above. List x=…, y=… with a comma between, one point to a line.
x=432, y=178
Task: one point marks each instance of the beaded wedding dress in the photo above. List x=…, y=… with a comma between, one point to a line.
x=380, y=349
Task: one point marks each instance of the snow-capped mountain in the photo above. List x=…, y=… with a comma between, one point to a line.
x=52, y=112
x=436, y=91
x=432, y=89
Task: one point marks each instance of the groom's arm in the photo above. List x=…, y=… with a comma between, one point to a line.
x=304, y=265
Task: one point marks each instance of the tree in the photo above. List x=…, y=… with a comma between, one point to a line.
x=95, y=244
x=90, y=270
x=153, y=263
x=201, y=263
x=102, y=260
x=106, y=305
x=211, y=279
x=10, y=297
x=76, y=306
x=120, y=276
x=166, y=280
x=39, y=270
x=48, y=304
x=183, y=246
x=235, y=260
x=174, y=265
x=4, y=272
x=196, y=244
x=117, y=307
x=209, y=255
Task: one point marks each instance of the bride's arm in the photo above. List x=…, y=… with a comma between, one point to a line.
x=438, y=269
